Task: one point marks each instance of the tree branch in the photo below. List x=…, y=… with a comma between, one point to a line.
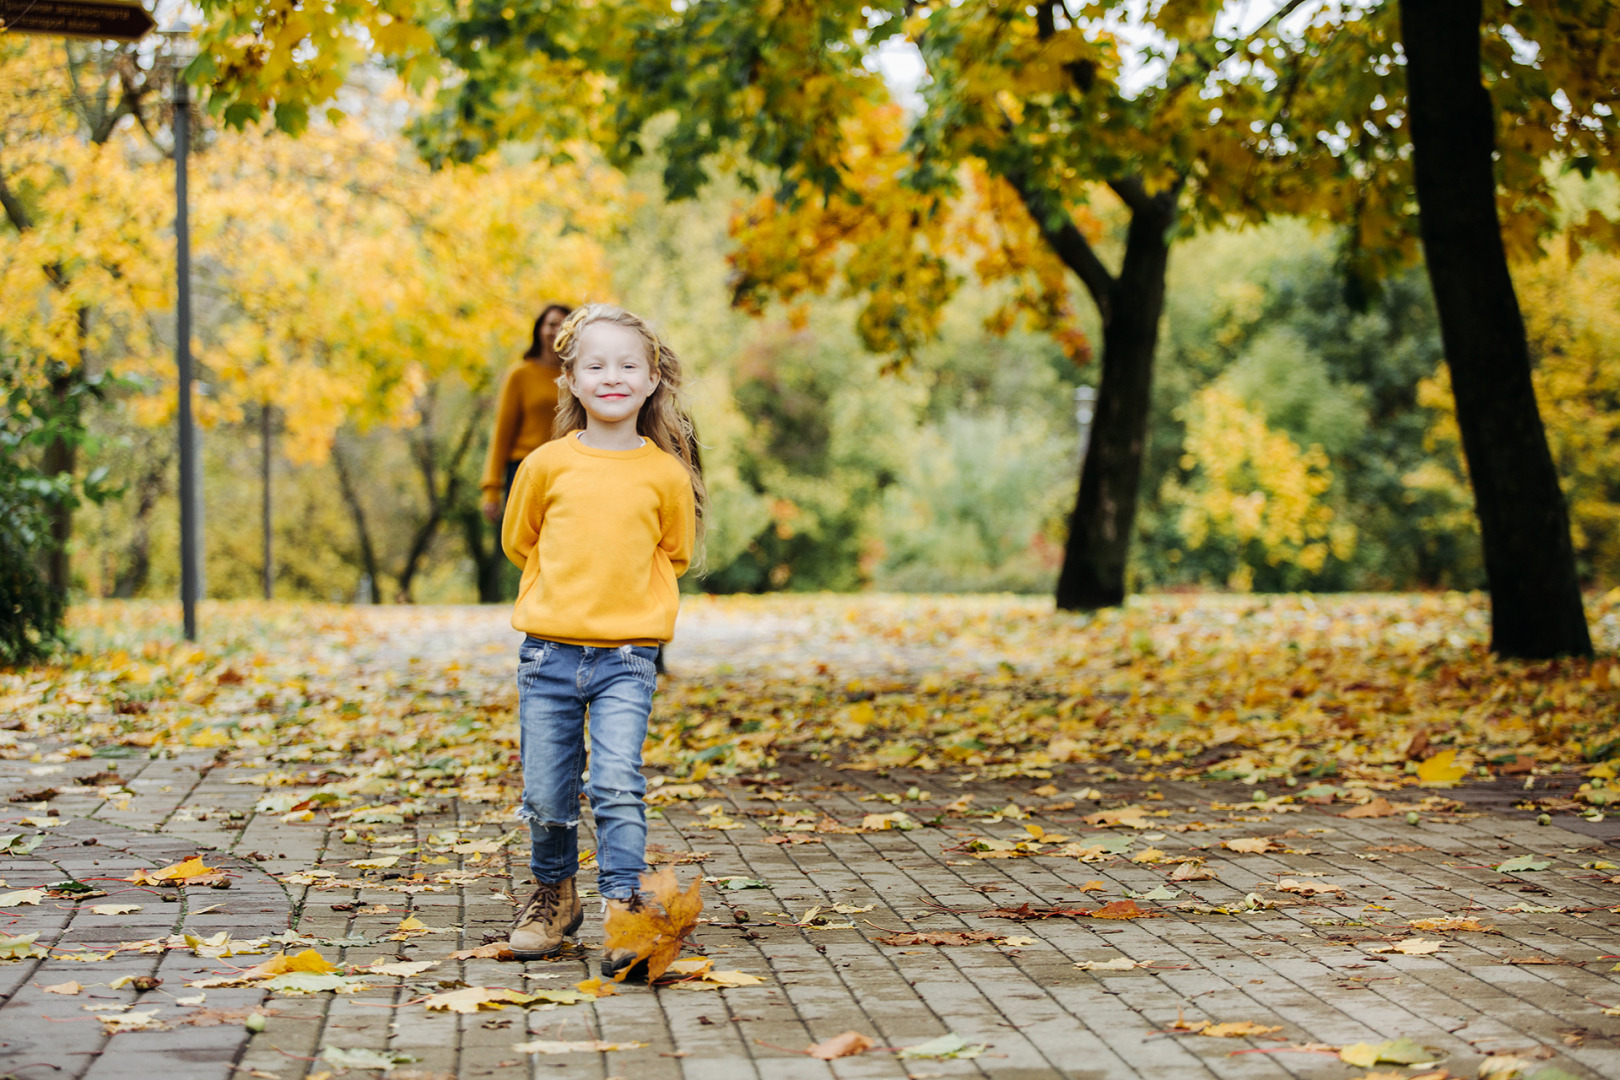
x=1067, y=242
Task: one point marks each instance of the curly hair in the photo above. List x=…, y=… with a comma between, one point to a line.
x=664, y=419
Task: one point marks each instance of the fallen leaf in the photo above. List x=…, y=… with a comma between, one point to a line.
x=1094, y=886
x=1379, y=807
x=596, y=988
x=1123, y=909
x=1441, y=769
x=114, y=909
x=473, y=998
x=591, y=1046
x=21, y=897
x=1451, y=924
x=848, y=1044
x=940, y=937
x=21, y=947
x=138, y=1020
x=495, y=950
x=1237, y=1029
x=1118, y=963
x=1252, y=845
x=1522, y=864
x=404, y=968
x=945, y=1047
x=375, y=864
x=655, y=932
x=364, y=1058
x=1307, y=888
x=62, y=988
x=1191, y=871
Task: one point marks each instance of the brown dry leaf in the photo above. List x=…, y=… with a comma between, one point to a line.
x=1379, y=807
x=658, y=855
x=941, y=937
x=1307, y=888
x=1133, y=817
x=1192, y=871
x=1094, y=886
x=1238, y=1028
x=848, y=1044
x=1251, y=845
x=495, y=950
x=657, y=931
x=1445, y=925
x=1123, y=909
x=69, y=987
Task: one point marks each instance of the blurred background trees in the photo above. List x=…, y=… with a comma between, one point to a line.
x=885, y=371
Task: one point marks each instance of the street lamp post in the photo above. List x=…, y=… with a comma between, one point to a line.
x=1085, y=411
x=182, y=48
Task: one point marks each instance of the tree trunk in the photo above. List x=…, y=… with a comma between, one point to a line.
x=1104, y=517
x=362, y=531
x=1536, y=607
x=61, y=459
x=487, y=561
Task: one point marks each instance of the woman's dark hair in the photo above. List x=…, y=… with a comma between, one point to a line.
x=536, y=349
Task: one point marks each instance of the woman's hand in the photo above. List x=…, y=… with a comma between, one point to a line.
x=492, y=512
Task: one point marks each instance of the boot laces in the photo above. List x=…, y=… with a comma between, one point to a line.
x=543, y=904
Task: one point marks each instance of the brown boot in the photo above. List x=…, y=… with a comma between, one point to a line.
x=552, y=913
x=617, y=960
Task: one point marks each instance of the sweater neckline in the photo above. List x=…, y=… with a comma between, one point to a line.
x=573, y=440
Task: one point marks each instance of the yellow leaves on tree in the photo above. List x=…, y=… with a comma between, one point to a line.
x=1251, y=485
x=660, y=927
x=1572, y=321
x=894, y=245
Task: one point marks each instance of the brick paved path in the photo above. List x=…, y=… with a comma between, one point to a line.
x=1319, y=968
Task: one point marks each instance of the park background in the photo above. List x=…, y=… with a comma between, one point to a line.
x=360, y=289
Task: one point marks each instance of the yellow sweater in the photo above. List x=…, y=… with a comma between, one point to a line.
x=523, y=416
x=601, y=536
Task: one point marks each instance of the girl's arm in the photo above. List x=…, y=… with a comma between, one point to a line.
x=525, y=509
x=500, y=442
x=680, y=526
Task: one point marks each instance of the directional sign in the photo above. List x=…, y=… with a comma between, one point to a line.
x=101, y=20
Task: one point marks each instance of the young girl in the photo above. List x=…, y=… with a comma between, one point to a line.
x=602, y=520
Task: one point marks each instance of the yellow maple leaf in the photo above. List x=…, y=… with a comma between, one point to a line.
x=473, y=998
x=658, y=929
x=183, y=871
x=1442, y=769
x=308, y=961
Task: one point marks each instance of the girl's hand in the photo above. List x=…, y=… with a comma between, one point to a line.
x=492, y=512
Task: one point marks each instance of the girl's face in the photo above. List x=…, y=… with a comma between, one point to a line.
x=612, y=375
x=548, y=331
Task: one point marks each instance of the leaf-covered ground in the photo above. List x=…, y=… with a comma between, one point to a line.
x=1280, y=691
x=874, y=790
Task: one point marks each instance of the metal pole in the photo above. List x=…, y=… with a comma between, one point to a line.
x=264, y=498
x=190, y=575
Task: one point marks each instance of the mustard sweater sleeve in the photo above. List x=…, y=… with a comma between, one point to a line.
x=525, y=509
x=507, y=409
x=680, y=527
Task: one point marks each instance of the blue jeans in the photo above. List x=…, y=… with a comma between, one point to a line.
x=557, y=683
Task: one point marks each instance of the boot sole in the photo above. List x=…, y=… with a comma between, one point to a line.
x=637, y=973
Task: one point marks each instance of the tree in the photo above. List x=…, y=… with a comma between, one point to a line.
x=81, y=224
x=1536, y=606
x=1450, y=124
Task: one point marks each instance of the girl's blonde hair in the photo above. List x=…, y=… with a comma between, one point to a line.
x=663, y=420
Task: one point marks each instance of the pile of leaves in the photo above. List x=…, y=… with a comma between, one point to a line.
x=1286, y=689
